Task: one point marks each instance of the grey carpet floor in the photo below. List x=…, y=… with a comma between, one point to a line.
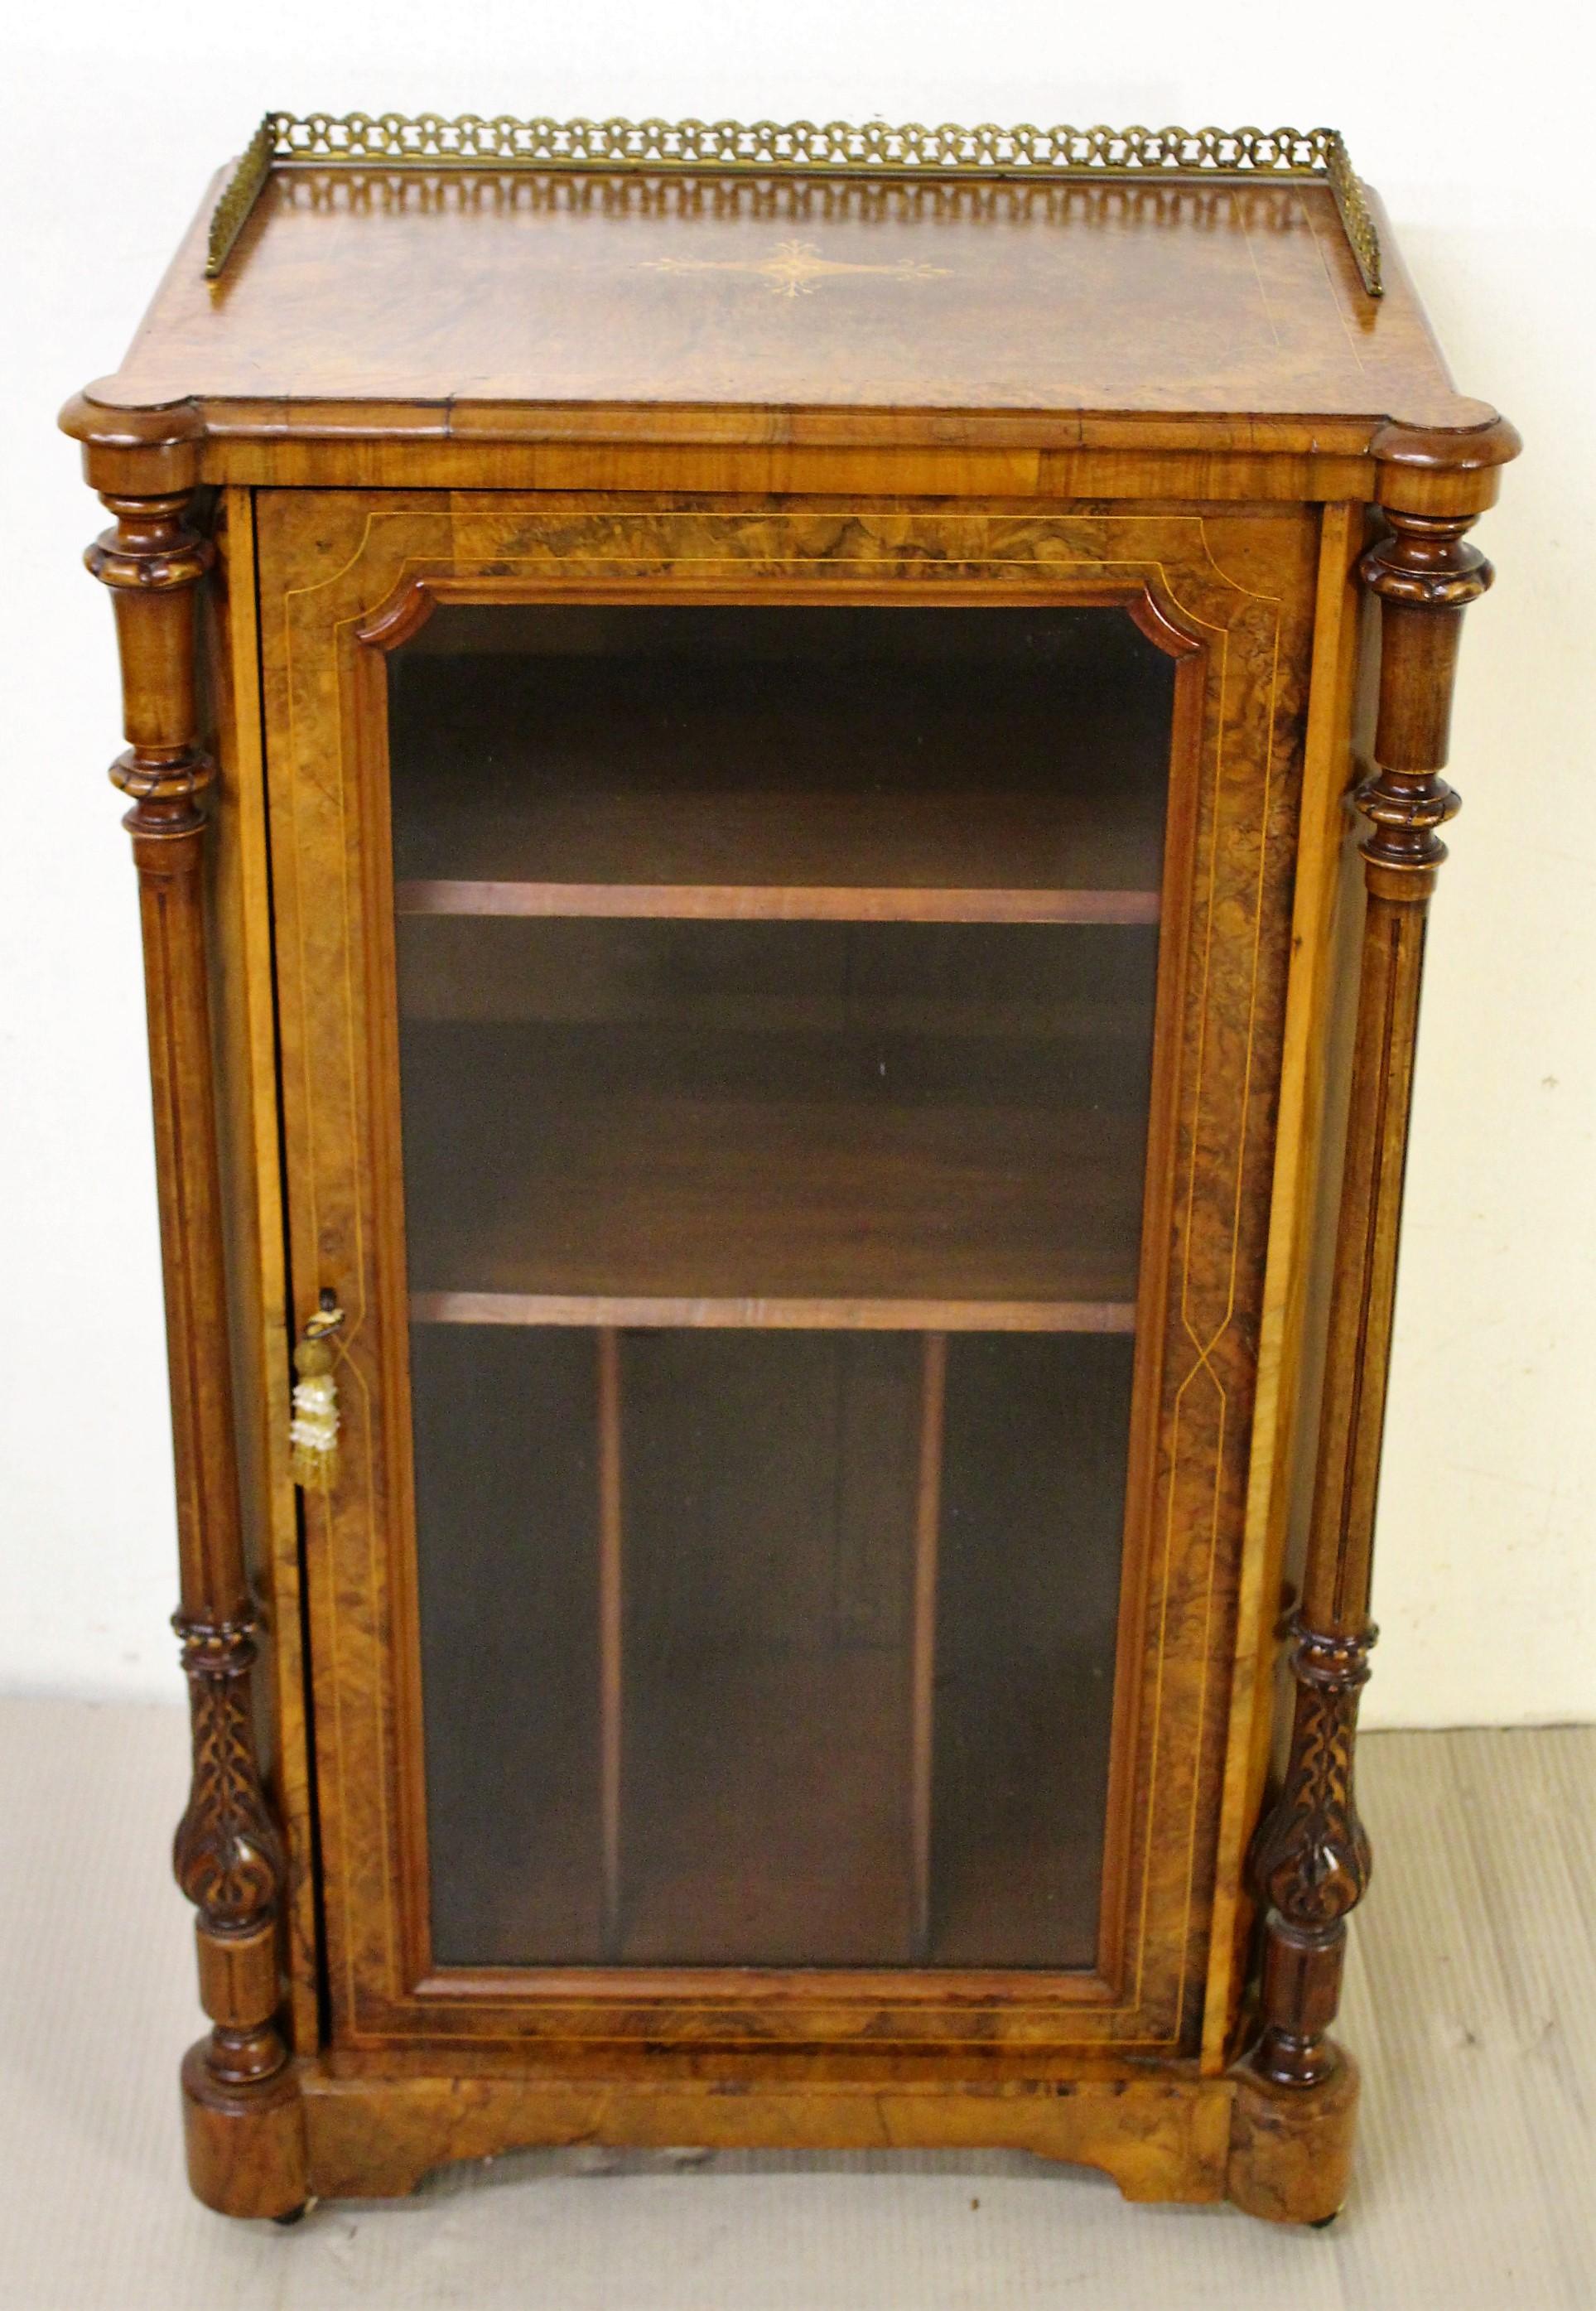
x=1471, y=2005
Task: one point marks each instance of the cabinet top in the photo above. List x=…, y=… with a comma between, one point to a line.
x=468, y=297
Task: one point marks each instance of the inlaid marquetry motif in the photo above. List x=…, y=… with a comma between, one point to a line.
x=796, y=268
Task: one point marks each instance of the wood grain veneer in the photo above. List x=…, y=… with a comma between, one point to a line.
x=410, y=400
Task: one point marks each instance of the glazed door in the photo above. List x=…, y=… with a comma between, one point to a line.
x=779, y=1017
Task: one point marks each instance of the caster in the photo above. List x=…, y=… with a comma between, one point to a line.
x=294, y=2215
x=1322, y=2224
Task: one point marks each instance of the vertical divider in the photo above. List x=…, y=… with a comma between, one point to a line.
x=922, y=1663
x=610, y=1630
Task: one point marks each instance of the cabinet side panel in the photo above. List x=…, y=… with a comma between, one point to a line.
x=1318, y=959
x=244, y=1032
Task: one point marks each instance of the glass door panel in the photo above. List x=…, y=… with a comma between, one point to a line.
x=776, y=992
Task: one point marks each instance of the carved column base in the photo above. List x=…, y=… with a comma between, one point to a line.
x=1291, y=2147
x=246, y=2144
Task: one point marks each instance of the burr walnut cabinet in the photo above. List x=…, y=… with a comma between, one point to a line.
x=785, y=784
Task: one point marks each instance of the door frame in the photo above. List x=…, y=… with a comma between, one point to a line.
x=347, y=576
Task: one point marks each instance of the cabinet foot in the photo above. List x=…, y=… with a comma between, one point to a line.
x=245, y=2145
x=1291, y=2147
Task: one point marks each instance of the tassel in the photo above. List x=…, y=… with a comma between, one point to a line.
x=313, y=1432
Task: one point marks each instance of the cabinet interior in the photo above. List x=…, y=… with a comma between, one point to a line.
x=776, y=992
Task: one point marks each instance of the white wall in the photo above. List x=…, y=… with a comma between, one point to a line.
x=1472, y=121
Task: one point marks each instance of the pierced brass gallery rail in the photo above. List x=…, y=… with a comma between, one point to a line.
x=800, y=148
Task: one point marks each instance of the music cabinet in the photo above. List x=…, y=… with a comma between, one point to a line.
x=785, y=783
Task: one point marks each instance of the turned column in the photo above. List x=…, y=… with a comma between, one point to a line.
x=246, y=2155
x=1311, y=1859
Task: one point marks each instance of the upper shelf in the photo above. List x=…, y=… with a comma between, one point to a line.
x=925, y=766
x=478, y=279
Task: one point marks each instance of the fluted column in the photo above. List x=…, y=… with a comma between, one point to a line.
x=1311, y=1859
x=245, y=2141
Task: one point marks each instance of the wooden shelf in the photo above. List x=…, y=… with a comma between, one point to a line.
x=636, y=1176
x=653, y=1311
x=627, y=785
x=754, y=902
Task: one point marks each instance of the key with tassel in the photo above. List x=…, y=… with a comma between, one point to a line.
x=313, y=1432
